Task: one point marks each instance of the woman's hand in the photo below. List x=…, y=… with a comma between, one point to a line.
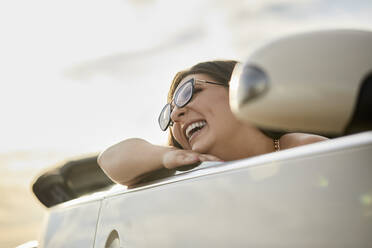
x=176, y=158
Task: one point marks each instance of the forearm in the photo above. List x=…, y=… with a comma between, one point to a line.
x=128, y=160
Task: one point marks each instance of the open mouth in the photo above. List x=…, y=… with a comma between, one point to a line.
x=194, y=128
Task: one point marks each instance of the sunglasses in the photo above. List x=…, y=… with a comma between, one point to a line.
x=181, y=98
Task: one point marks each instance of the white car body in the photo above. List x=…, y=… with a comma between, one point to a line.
x=319, y=195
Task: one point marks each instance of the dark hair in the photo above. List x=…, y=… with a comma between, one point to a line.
x=219, y=70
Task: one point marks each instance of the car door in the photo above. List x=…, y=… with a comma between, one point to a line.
x=72, y=224
x=317, y=195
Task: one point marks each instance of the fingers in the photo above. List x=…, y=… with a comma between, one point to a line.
x=177, y=158
x=188, y=158
x=208, y=157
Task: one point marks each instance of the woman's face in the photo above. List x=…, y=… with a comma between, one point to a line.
x=206, y=122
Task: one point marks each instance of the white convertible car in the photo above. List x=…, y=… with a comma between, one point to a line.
x=318, y=195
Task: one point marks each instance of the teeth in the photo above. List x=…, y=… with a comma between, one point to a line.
x=199, y=124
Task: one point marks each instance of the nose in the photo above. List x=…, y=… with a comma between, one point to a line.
x=178, y=113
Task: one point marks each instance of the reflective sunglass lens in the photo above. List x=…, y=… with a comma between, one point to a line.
x=183, y=95
x=181, y=98
x=164, y=117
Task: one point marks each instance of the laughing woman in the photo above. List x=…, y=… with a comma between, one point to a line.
x=201, y=128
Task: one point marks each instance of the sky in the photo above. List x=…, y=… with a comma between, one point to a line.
x=77, y=76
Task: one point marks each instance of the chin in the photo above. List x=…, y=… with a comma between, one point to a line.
x=203, y=143
x=201, y=147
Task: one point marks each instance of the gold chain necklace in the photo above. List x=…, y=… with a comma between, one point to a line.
x=276, y=145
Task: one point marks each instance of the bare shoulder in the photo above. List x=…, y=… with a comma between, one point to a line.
x=290, y=140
